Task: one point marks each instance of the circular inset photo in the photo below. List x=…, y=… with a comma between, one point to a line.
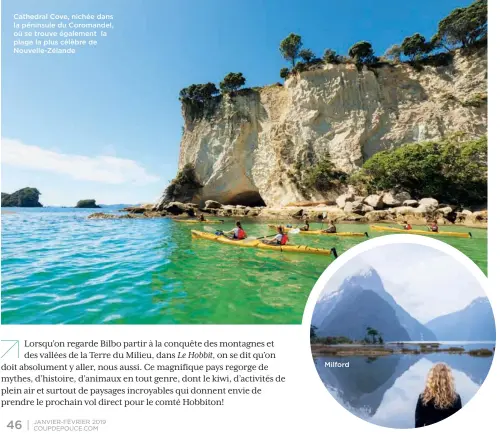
x=403, y=334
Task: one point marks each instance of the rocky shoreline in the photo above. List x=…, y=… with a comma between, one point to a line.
x=387, y=207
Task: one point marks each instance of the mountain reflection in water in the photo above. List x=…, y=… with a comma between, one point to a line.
x=385, y=390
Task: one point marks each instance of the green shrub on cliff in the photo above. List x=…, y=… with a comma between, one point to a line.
x=306, y=55
x=323, y=176
x=184, y=184
x=284, y=73
x=232, y=82
x=416, y=46
x=330, y=56
x=450, y=170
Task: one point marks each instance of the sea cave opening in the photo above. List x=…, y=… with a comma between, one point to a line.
x=247, y=198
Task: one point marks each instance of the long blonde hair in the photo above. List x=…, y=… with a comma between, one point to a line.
x=440, y=387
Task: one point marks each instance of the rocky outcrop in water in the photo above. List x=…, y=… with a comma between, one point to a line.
x=26, y=197
x=251, y=149
x=87, y=203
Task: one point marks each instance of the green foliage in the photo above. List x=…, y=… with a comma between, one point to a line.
x=373, y=334
x=87, y=203
x=185, y=181
x=330, y=56
x=312, y=332
x=299, y=67
x=26, y=197
x=476, y=100
x=199, y=92
x=323, y=176
x=463, y=26
x=284, y=73
x=290, y=47
x=232, y=82
x=306, y=55
x=394, y=53
x=415, y=46
x=332, y=340
x=362, y=53
x=450, y=170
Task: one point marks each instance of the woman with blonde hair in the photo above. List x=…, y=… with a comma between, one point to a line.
x=439, y=399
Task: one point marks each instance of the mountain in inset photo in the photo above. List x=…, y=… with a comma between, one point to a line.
x=361, y=302
x=473, y=323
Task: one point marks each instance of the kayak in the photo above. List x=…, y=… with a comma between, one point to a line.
x=421, y=232
x=337, y=234
x=213, y=222
x=259, y=244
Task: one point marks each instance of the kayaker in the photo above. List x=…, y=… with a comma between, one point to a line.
x=331, y=229
x=280, y=238
x=434, y=226
x=236, y=233
x=407, y=226
x=439, y=399
x=306, y=224
x=201, y=218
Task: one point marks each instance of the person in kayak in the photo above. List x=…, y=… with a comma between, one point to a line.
x=279, y=239
x=236, y=233
x=439, y=399
x=433, y=226
x=407, y=226
x=306, y=224
x=201, y=218
x=331, y=229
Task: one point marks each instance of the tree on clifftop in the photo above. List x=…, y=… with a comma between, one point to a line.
x=199, y=92
x=284, y=73
x=362, y=52
x=463, y=26
x=290, y=47
x=330, y=56
x=306, y=55
x=415, y=46
x=232, y=81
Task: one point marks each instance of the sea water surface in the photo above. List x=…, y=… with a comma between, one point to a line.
x=384, y=390
x=60, y=267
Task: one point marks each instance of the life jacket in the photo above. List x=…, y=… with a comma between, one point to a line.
x=284, y=239
x=408, y=226
x=241, y=234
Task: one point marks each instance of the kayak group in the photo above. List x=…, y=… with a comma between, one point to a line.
x=238, y=233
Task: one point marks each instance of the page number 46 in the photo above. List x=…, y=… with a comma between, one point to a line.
x=15, y=425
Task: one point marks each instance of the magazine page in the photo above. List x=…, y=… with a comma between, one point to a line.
x=246, y=216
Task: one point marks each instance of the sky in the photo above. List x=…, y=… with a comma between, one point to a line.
x=105, y=123
x=426, y=282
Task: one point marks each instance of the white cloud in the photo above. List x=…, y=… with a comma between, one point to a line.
x=101, y=168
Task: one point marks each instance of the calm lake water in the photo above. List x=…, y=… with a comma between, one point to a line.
x=384, y=390
x=60, y=267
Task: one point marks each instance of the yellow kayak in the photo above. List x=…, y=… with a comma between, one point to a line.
x=421, y=232
x=212, y=222
x=337, y=234
x=260, y=245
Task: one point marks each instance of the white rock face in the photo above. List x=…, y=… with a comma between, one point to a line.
x=257, y=146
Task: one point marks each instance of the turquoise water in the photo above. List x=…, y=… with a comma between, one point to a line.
x=60, y=267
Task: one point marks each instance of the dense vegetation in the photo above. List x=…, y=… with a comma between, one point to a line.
x=184, y=184
x=373, y=336
x=87, y=203
x=463, y=28
x=26, y=197
x=451, y=170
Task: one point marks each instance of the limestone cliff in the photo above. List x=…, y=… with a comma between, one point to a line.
x=253, y=147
